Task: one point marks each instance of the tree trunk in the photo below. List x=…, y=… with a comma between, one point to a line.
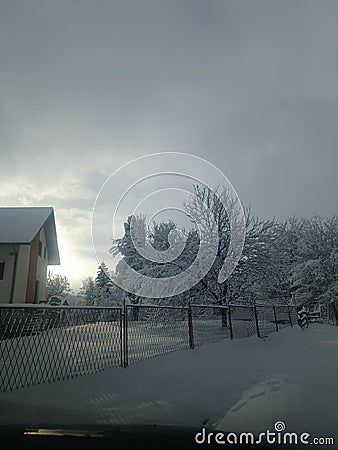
x=335, y=312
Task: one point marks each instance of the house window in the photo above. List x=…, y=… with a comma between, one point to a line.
x=45, y=252
x=40, y=248
x=2, y=270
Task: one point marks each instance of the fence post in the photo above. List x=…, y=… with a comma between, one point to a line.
x=125, y=334
x=190, y=327
x=230, y=322
x=290, y=319
x=275, y=316
x=256, y=319
x=121, y=336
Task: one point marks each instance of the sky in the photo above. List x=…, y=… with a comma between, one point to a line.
x=250, y=86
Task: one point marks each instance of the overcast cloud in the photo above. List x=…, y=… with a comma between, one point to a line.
x=251, y=86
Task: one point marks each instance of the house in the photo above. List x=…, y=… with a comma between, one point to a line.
x=28, y=243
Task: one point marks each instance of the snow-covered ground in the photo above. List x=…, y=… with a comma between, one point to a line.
x=241, y=385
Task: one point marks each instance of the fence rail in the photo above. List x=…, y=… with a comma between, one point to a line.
x=40, y=343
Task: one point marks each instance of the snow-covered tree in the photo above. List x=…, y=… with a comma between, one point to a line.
x=160, y=237
x=206, y=207
x=314, y=276
x=266, y=274
x=57, y=285
x=243, y=283
x=294, y=261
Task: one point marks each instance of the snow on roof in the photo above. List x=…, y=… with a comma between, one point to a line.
x=21, y=225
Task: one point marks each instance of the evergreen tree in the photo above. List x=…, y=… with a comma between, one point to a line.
x=103, y=285
x=88, y=291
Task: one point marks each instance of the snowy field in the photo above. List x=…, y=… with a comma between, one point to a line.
x=241, y=385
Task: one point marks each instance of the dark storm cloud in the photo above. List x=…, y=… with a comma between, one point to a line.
x=249, y=85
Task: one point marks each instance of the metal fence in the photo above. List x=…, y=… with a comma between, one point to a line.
x=209, y=323
x=153, y=330
x=41, y=343
x=267, y=317
x=242, y=321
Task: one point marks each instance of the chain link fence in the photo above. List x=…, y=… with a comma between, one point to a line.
x=242, y=321
x=154, y=330
x=283, y=316
x=267, y=319
x=209, y=323
x=41, y=343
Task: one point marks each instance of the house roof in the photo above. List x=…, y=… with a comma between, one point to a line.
x=21, y=225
